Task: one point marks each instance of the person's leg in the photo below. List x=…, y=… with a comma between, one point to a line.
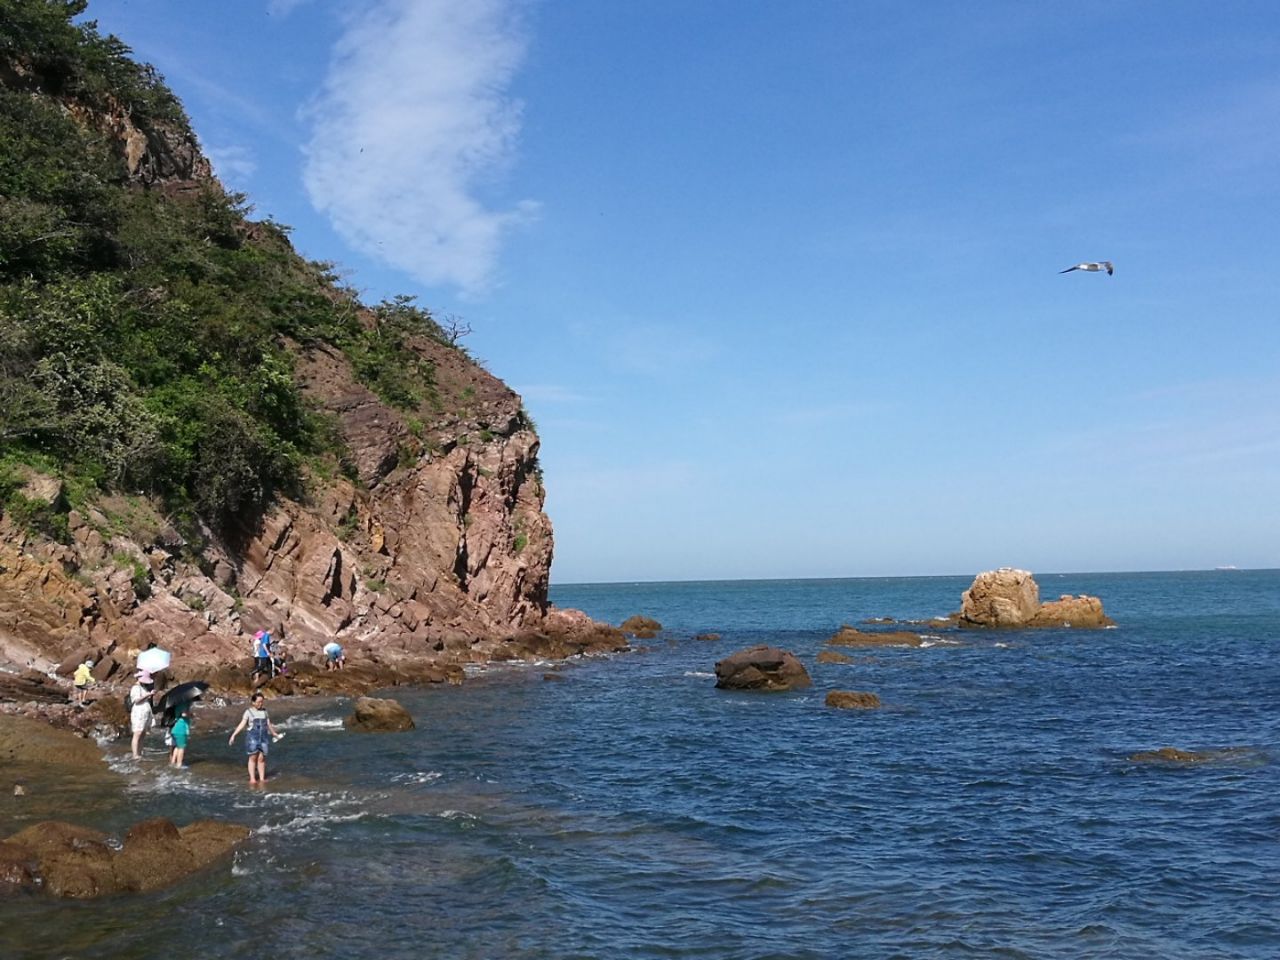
x=179, y=754
x=137, y=742
x=253, y=769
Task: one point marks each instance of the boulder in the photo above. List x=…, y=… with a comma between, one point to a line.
x=153, y=856
x=1011, y=598
x=1000, y=598
x=831, y=656
x=1069, y=611
x=761, y=668
x=105, y=668
x=643, y=628
x=373, y=715
x=852, y=700
x=708, y=637
x=848, y=636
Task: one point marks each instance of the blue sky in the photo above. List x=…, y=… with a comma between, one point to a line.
x=779, y=281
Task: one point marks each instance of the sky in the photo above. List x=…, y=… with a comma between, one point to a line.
x=779, y=281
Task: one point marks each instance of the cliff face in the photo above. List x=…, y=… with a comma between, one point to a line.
x=438, y=548
x=431, y=544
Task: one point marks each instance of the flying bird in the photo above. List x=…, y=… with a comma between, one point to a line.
x=1092, y=267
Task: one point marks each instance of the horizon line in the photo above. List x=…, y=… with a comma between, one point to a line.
x=911, y=576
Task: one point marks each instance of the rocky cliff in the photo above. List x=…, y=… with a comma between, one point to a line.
x=428, y=543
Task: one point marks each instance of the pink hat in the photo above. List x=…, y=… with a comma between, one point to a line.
x=260, y=634
x=144, y=676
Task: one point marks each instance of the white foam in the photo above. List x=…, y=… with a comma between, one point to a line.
x=304, y=722
x=424, y=776
x=701, y=674
x=931, y=640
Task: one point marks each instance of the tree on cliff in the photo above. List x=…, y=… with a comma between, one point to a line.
x=149, y=330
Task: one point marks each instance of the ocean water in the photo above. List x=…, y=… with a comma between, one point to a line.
x=989, y=809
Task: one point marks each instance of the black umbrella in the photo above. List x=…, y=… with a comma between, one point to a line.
x=174, y=700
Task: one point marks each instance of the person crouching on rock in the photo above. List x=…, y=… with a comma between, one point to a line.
x=181, y=733
x=140, y=713
x=83, y=681
x=334, y=658
x=260, y=733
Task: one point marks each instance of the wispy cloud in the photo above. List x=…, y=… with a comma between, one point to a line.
x=413, y=121
x=282, y=8
x=234, y=165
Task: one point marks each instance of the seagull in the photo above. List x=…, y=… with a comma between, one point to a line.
x=1092, y=267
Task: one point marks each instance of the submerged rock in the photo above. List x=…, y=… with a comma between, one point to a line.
x=71, y=861
x=849, y=636
x=761, y=668
x=852, y=700
x=379, y=716
x=643, y=628
x=1171, y=755
x=831, y=656
x=708, y=637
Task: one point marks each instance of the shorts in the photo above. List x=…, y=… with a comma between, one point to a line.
x=180, y=740
x=254, y=745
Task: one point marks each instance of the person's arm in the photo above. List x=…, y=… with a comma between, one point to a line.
x=271, y=728
x=243, y=720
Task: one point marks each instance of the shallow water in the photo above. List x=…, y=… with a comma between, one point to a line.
x=989, y=809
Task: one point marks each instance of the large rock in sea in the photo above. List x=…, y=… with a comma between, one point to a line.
x=761, y=668
x=379, y=716
x=1000, y=598
x=1011, y=598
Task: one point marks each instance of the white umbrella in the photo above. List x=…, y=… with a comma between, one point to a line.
x=153, y=660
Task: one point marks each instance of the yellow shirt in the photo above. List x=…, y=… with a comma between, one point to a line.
x=84, y=675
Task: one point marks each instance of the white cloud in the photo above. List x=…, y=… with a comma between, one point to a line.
x=282, y=8
x=234, y=165
x=413, y=119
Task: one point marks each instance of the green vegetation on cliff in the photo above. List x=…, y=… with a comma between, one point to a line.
x=147, y=328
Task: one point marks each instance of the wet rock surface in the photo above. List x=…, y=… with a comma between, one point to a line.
x=853, y=637
x=761, y=668
x=373, y=715
x=66, y=860
x=852, y=700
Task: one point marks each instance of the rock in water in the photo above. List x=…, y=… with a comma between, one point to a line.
x=761, y=668
x=1000, y=598
x=1069, y=611
x=1011, y=598
x=379, y=716
x=643, y=628
x=852, y=700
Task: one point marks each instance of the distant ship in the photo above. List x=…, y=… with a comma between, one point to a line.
x=1227, y=567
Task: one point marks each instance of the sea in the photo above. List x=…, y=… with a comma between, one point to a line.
x=991, y=807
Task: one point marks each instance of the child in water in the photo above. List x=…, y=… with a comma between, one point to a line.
x=181, y=733
x=260, y=733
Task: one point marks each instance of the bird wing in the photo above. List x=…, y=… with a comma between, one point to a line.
x=1069, y=269
x=1110, y=269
